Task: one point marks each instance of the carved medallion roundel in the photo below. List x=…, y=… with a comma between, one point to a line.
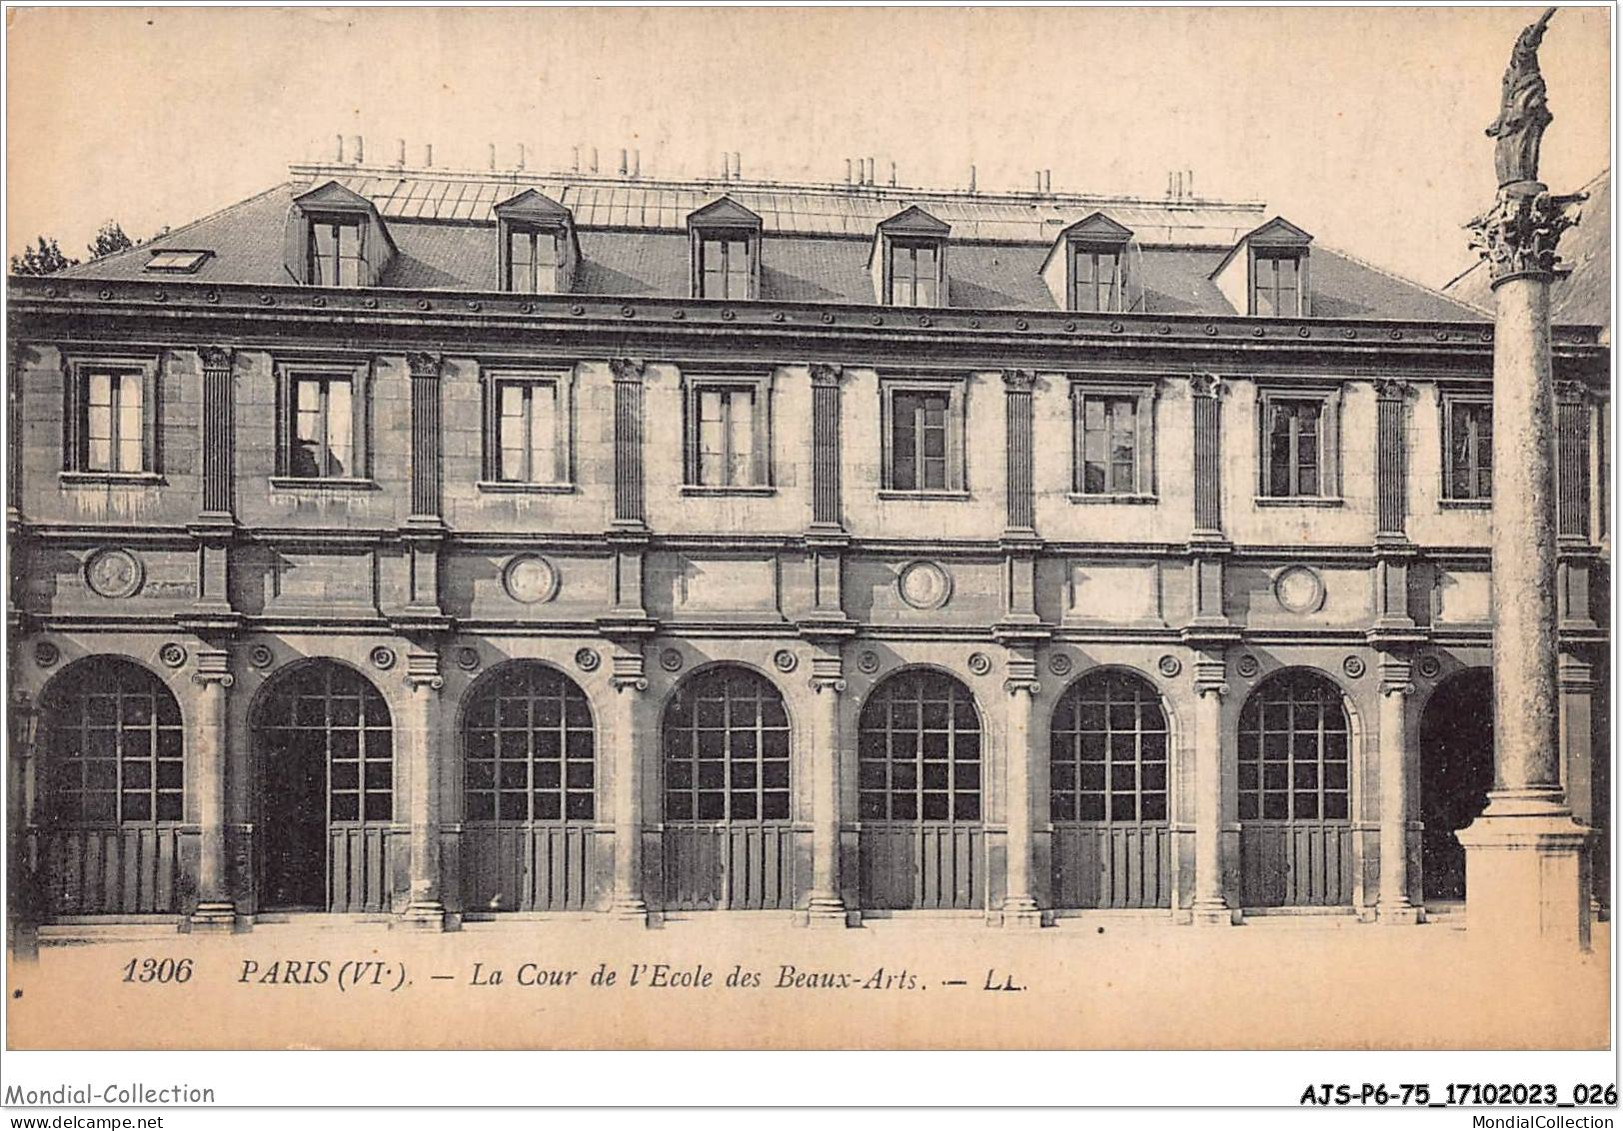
x=530, y=579
x=113, y=573
x=924, y=585
x=1299, y=589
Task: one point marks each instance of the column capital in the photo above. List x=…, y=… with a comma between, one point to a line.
x=215, y=358
x=423, y=671
x=828, y=673
x=1207, y=385
x=423, y=364
x=1016, y=686
x=1571, y=392
x=1019, y=380
x=1395, y=672
x=627, y=370
x=1518, y=235
x=629, y=673
x=213, y=666
x=1391, y=389
x=1574, y=673
x=826, y=374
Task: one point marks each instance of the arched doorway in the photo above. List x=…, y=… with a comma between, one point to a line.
x=729, y=841
x=919, y=771
x=1294, y=793
x=326, y=769
x=1456, y=772
x=1107, y=783
x=529, y=779
x=111, y=791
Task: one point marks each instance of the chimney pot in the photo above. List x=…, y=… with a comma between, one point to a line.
x=972, y=178
x=521, y=155
x=870, y=171
x=624, y=167
x=636, y=162
x=401, y=159
x=594, y=159
x=738, y=167
x=492, y=148
x=428, y=155
x=575, y=152
x=893, y=174
x=340, y=153
x=359, y=143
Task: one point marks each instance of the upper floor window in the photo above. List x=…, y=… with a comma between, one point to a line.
x=1095, y=279
x=1114, y=440
x=322, y=423
x=1299, y=444
x=924, y=436
x=337, y=252
x=914, y=273
x=1277, y=285
x=729, y=435
x=1468, y=438
x=527, y=429
x=725, y=238
x=111, y=423
x=725, y=269
x=532, y=261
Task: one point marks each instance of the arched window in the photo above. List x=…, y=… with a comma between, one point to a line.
x=919, y=751
x=112, y=744
x=726, y=749
x=1293, y=751
x=529, y=747
x=326, y=719
x=1108, y=751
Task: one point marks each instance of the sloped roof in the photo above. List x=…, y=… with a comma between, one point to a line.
x=246, y=240
x=1581, y=297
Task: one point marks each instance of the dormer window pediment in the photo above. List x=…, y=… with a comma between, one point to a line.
x=908, y=260
x=335, y=237
x=1086, y=268
x=725, y=248
x=537, y=250
x=1266, y=273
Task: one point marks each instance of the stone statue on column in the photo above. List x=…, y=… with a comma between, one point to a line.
x=1523, y=113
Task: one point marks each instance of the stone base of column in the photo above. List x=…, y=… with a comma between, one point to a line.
x=213, y=918
x=1397, y=912
x=1022, y=911
x=423, y=915
x=1213, y=913
x=1527, y=873
x=629, y=909
x=825, y=911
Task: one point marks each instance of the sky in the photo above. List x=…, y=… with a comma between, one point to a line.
x=1362, y=125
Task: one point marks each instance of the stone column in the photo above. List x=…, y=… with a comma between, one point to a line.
x=1393, y=904
x=215, y=910
x=825, y=907
x=628, y=471
x=1210, y=906
x=1019, y=453
x=1019, y=906
x=629, y=683
x=1527, y=862
x=426, y=907
x=22, y=889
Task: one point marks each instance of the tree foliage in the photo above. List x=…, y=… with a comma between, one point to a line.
x=110, y=238
x=45, y=258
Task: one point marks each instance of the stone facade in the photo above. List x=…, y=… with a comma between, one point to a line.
x=1232, y=617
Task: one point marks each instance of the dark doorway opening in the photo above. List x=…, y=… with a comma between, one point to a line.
x=1456, y=772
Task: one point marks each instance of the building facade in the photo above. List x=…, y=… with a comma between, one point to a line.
x=432, y=546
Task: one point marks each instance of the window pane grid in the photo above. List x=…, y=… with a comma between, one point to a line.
x=919, y=752
x=1107, y=456
x=725, y=436
x=115, y=747
x=919, y=440
x=527, y=437
x=724, y=268
x=1293, y=752
x=342, y=715
x=529, y=750
x=323, y=437
x=1108, y=752
x=1470, y=450
x=1294, y=447
x=726, y=738
x=336, y=258
x=113, y=428
x=1276, y=285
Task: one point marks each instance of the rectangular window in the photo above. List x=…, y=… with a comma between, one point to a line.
x=114, y=423
x=323, y=438
x=923, y=430
x=1277, y=289
x=337, y=253
x=729, y=433
x=528, y=433
x=532, y=261
x=1295, y=443
x=1468, y=427
x=1095, y=280
x=724, y=267
x=1113, y=440
x=914, y=274
x=110, y=418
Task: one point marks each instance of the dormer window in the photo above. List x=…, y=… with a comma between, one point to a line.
x=725, y=242
x=177, y=261
x=537, y=247
x=336, y=238
x=337, y=258
x=1086, y=269
x=1265, y=274
x=1276, y=285
x=1095, y=278
x=909, y=259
